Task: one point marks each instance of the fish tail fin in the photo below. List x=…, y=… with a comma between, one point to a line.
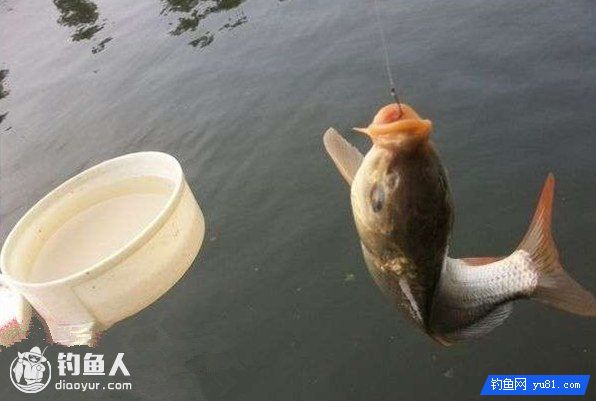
x=554, y=286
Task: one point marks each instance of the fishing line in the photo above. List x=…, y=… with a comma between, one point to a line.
x=386, y=53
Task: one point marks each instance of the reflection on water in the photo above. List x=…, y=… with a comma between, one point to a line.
x=241, y=18
x=194, y=11
x=3, y=92
x=100, y=46
x=202, y=41
x=83, y=16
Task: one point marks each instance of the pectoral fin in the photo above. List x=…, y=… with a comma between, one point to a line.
x=346, y=157
x=395, y=288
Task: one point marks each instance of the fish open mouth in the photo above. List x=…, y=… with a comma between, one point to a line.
x=390, y=121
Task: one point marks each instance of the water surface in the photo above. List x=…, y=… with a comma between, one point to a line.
x=279, y=306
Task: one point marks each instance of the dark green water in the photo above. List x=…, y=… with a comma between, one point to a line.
x=278, y=305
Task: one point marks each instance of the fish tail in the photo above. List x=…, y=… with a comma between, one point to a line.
x=554, y=286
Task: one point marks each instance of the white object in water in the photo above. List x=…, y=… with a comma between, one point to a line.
x=99, y=248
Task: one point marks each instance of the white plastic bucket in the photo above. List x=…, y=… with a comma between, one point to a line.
x=130, y=267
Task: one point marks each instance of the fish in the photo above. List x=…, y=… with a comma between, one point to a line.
x=18, y=369
x=403, y=212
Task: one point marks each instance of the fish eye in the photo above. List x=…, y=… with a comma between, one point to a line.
x=377, y=198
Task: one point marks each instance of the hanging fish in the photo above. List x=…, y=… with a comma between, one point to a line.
x=18, y=369
x=403, y=213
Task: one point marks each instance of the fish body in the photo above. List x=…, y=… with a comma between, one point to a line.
x=403, y=214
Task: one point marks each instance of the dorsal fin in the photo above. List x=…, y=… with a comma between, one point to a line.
x=346, y=157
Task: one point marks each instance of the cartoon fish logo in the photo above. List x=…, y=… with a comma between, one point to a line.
x=403, y=213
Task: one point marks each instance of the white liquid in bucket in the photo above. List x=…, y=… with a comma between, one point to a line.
x=102, y=229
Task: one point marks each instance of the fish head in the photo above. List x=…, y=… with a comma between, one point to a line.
x=375, y=196
x=400, y=148
x=401, y=202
